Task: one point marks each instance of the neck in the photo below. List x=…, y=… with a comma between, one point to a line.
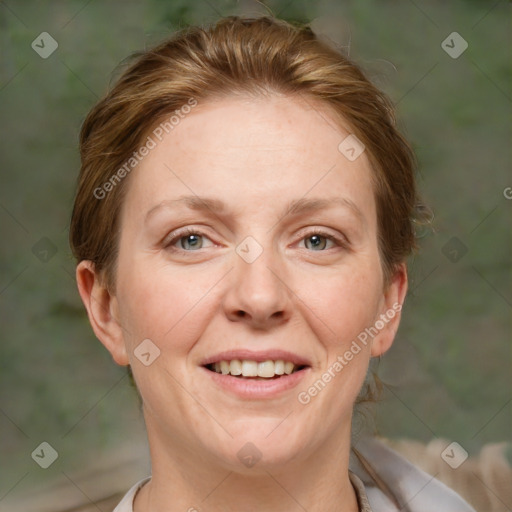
x=190, y=481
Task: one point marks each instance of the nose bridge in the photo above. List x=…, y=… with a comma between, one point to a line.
x=258, y=292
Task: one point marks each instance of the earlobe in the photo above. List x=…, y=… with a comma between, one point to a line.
x=101, y=309
x=390, y=314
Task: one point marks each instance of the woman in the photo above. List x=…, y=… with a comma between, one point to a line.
x=279, y=163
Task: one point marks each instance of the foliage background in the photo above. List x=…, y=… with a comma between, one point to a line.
x=448, y=374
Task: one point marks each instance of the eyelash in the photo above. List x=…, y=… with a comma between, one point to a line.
x=329, y=236
x=169, y=243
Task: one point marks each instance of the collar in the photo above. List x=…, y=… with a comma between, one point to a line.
x=126, y=504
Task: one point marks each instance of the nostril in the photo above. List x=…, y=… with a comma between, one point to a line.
x=240, y=313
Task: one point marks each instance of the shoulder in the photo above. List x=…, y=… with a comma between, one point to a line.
x=392, y=483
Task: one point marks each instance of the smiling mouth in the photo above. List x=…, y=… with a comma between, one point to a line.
x=247, y=369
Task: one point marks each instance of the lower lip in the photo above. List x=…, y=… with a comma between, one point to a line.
x=254, y=389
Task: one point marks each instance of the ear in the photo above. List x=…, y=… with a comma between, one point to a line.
x=102, y=311
x=390, y=312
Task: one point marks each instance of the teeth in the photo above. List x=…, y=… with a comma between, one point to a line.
x=247, y=368
x=224, y=367
x=279, y=367
x=266, y=369
x=235, y=367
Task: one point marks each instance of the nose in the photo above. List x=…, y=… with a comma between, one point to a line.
x=258, y=295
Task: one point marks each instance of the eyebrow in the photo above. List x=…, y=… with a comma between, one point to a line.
x=192, y=202
x=304, y=205
x=294, y=208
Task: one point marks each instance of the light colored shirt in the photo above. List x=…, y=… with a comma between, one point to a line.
x=126, y=504
x=383, y=482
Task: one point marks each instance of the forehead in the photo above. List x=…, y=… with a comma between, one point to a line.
x=271, y=149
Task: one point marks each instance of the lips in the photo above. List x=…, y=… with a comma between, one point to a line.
x=248, y=369
x=256, y=388
x=251, y=374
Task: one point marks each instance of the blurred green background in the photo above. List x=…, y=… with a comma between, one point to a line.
x=448, y=374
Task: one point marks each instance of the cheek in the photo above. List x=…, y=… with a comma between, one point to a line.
x=344, y=305
x=163, y=306
x=345, y=301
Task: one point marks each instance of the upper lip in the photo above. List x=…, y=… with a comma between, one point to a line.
x=260, y=356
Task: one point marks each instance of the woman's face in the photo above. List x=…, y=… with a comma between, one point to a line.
x=247, y=234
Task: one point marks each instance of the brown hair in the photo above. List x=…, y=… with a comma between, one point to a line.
x=236, y=55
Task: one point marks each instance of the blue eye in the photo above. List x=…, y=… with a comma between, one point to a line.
x=188, y=240
x=195, y=241
x=320, y=240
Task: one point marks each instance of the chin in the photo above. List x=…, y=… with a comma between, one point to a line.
x=256, y=449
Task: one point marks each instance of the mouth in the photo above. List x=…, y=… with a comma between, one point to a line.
x=254, y=370
x=252, y=375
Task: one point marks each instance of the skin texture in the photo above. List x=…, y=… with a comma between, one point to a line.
x=256, y=155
